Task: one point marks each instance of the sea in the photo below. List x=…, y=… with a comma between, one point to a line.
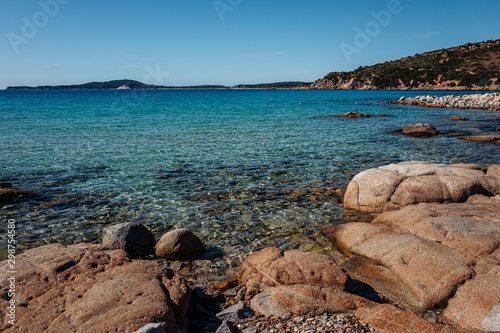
x=242, y=169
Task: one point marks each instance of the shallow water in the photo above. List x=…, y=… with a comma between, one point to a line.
x=243, y=169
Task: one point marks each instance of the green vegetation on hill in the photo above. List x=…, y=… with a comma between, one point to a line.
x=277, y=85
x=115, y=84
x=470, y=66
x=131, y=84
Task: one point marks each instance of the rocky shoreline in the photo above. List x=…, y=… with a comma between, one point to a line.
x=428, y=262
x=489, y=101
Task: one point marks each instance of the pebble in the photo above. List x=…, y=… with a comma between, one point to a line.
x=300, y=324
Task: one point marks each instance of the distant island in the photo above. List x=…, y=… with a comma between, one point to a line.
x=466, y=67
x=132, y=84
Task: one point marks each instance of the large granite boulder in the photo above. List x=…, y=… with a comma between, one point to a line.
x=394, y=186
x=469, y=228
x=386, y=318
x=134, y=238
x=88, y=288
x=477, y=303
x=281, y=283
x=411, y=271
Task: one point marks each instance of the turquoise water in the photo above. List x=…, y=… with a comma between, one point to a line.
x=241, y=168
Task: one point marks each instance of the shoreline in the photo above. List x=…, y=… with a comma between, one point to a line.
x=358, y=300
x=488, y=101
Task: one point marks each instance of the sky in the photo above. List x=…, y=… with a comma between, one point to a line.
x=225, y=42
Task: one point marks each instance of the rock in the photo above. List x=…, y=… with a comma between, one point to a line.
x=273, y=267
x=458, y=118
x=8, y=194
x=494, y=170
x=386, y=318
x=226, y=327
x=5, y=185
x=482, y=138
x=236, y=312
x=420, y=130
x=471, y=229
x=411, y=271
x=479, y=199
x=265, y=304
x=490, y=101
x=88, y=288
x=280, y=283
x=356, y=114
x=469, y=167
x=477, y=303
x=151, y=328
x=301, y=300
x=394, y=186
x=134, y=238
x=179, y=244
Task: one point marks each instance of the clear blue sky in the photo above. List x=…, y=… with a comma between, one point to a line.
x=227, y=42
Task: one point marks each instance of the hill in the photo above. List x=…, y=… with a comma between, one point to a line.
x=466, y=67
x=115, y=84
x=276, y=85
x=131, y=84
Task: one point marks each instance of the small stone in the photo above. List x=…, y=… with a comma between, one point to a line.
x=5, y=185
x=226, y=327
x=236, y=312
x=179, y=244
x=134, y=238
x=151, y=328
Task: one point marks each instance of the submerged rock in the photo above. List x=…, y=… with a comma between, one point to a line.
x=179, y=244
x=356, y=114
x=420, y=130
x=9, y=194
x=482, y=138
x=458, y=118
x=134, y=238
